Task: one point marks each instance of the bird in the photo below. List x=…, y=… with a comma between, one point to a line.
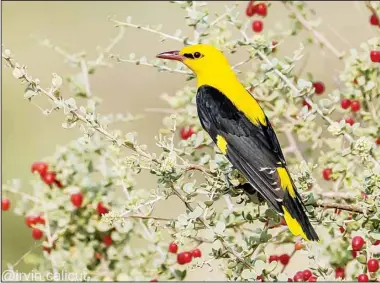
x=240, y=129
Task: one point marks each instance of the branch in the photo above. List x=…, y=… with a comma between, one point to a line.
x=347, y=207
x=338, y=195
x=318, y=36
x=148, y=29
x=161, y=68
x=223, y=241
x=150, y=217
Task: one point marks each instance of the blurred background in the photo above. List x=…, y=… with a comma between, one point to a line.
x=28, y=135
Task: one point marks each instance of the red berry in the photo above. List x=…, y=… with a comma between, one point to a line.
x=341, y=229
x=284, y=259
x=101, y=209
x=98, y=255
x=37, y=234
x=357, y=243
x=319, y=87
x=261, y=9
x=290, y=280
x=184, y=257
x=153, y=280
x=107, y=240
x=257, y=26
x=40, y=219
x=355, y=105
x=373, y=265
x=349, y=120
x=196, y=253
x=345, y=103
x=5, y=204
x=312, y=279
x=274, y=43
x=298, y=277
x=48, y=178
x=40, y=167
x=374, y=20
x=259, y=278
x=77, y=199
x=375, y=56
x=31, y=220
x=304, y=103
x=363, y=278
x=326, y=173
x=339, y=273
x=298, y=246
x=378, y=141
x=377, y=242
x=173, y=248
x=273, y=258
x=186, y=132
x=354, y=254
x=250, y=11
x=307, y=274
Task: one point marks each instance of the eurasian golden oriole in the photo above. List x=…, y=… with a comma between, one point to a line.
x=241, y=130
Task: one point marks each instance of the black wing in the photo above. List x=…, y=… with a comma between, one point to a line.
x=253, y=149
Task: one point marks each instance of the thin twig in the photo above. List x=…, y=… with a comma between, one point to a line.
x=150, y=217
x=84, y=68
x=318, y=36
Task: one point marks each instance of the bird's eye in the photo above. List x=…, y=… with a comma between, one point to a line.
x=197, y=55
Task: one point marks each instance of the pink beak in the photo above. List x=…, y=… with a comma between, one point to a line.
x=171, y=55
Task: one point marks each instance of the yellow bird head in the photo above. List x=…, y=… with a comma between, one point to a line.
x=199, y=58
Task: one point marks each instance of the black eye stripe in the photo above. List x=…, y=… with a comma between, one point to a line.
x=196, y=55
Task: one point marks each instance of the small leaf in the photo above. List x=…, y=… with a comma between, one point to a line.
x=220, y=227
x=362, y=259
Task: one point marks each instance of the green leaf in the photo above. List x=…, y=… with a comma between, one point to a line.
x=180, y=274
x=362, y=259
x=375, y=236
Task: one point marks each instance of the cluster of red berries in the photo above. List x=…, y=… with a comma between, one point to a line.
x=303, y=276
x=283, y=259
x=48, y=177
x=357, y=244
x=354, y=104
x=184, y=257
x=5, y=204
x=258, y=9
x=375, y=55
x=31, y=221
